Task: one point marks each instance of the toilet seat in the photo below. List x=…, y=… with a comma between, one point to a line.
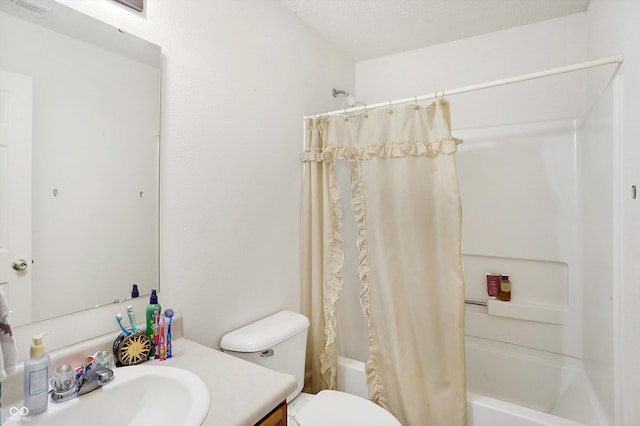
x=339, y=408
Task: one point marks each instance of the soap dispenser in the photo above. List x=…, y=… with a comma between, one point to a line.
x=36, y=377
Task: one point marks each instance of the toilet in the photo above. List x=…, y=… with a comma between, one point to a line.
x=279, y=342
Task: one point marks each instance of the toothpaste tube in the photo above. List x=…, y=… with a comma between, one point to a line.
x=78, y=371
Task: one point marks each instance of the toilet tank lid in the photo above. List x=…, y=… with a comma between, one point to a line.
x=265, y=333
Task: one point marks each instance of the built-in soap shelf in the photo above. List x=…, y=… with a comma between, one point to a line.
x=527, y=311
x=539, y=288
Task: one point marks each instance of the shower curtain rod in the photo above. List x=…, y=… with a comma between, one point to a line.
x=441, y=93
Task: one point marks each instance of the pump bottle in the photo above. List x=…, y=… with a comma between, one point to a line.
x=36, y=377
x=154, y=311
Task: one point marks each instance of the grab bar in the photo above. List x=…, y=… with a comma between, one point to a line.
x=474, y=302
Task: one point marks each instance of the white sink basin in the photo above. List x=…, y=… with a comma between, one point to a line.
x=138, y=395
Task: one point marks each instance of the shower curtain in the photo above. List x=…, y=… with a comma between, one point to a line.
x=406, y=202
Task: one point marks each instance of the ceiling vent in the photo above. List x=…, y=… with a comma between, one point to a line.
x=31, y=7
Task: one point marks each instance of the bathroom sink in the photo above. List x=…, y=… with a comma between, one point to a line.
x=139, y=395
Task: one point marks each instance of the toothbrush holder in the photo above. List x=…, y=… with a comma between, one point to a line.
x=131, y=349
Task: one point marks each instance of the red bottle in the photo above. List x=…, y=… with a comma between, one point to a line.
x=493, y=285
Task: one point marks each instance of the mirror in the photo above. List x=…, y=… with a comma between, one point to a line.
x=93, y=130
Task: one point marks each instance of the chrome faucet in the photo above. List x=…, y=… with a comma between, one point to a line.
x=93, y=379
x=65, y=385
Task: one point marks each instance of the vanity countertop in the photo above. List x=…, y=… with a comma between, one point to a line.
x=241, y=392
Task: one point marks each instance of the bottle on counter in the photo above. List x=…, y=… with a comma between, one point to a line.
x=153, y=317
x=36, y=377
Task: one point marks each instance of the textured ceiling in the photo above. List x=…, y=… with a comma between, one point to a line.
x=372, y=28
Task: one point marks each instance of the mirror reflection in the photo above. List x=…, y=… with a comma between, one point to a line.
x=79, y=144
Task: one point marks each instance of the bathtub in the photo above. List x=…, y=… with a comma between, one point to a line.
x=509, y=385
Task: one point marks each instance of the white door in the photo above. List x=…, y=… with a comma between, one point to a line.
x=15, y=193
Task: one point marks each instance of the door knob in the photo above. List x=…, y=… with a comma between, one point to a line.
x=19, y=264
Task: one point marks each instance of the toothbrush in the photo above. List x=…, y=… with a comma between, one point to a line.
x=169, y=314
x=130, y=314
x=156, y=314
x=124, y=330
x=162, y=346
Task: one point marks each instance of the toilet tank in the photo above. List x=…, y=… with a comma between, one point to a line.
x=277, y=342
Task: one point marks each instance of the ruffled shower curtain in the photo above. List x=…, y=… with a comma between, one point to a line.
x=407, y=205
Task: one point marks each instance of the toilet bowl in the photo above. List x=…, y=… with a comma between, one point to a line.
x=279, y=342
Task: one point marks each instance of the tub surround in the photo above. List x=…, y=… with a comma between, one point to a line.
x=242, y=393
x=545, y=387
x=565, y=400
x=482, y=410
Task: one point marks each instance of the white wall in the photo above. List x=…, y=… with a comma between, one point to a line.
x=237, y=79
x=613, y=28
x=596, y=149
x=484, y=58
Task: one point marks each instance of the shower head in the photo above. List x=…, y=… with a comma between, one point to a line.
x=351, y=100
